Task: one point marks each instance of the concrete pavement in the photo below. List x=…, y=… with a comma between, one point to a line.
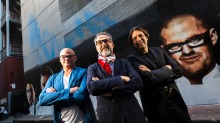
x=199, y=114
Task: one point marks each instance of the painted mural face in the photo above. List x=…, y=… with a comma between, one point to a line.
x=104, y=45
x=67, y=58
x=192, y=54
x=44, y=79
x=30, y=94
x=140, y=41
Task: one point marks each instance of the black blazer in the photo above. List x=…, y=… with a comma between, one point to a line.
x=122, y=106
x=158, y=98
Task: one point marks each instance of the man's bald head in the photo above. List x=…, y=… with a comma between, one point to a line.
x=67, y=50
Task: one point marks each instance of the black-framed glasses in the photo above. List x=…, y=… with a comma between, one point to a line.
x=106, y=41
x=66, y=56
x=195, y=41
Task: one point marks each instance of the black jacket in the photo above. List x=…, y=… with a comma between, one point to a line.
x=160, y=97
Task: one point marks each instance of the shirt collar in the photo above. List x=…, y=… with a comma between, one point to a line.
x=215, y=73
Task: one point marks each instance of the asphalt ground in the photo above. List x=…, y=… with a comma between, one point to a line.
x=199, y=114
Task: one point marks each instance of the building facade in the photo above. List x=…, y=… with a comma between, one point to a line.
x=50, y=25
x=11, y=58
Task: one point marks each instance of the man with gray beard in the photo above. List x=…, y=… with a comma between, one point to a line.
x=114, y=82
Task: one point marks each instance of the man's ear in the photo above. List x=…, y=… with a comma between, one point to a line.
x=213, y=36
x=161, y=46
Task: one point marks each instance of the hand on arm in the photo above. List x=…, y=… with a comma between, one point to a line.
x=50, y=89
x=168, y=66
x=95, y=78
x=72, y=90
x=105, y=94
x=143, y=68
x=50, y=96
x=125, y=79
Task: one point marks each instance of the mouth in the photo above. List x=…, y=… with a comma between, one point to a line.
x=67, y=62
x=142, y=42
x=190, y=59
x=105, y=48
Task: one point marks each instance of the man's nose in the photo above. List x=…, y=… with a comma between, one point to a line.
x=138, y=38
x=186, y=49
x=104, y=43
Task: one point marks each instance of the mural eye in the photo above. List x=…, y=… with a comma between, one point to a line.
x=174, y=48
x=196, y=41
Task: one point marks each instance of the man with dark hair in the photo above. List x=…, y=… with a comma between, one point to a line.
x=161, y=101
x=189, y=40
x=114, y=82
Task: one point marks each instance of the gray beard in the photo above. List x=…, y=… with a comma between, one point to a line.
x=106, y=53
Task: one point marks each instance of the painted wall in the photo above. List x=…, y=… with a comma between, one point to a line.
x=44, y=35
x=41, y=27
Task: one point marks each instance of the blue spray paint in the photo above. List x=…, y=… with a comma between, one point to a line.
x=93, y=26
x=47, y=49
x=37, y=41
x=34, y=33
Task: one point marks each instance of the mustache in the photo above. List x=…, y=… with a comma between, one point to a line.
x=107, y=47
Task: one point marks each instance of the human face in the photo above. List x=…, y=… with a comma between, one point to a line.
x=193, y=58
x=44, y=80
x=104, y=45
x=29, y=93
x=140, y=40
x=67, y=58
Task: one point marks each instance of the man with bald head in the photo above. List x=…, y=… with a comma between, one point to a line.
x=67, y=91
x=189, y=41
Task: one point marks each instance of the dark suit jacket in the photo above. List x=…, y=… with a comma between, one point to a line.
x=122, y=106
x=156, y=96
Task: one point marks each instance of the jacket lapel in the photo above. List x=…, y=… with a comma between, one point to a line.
x=147, y=60
x=58, y=85
x=117, y=67
x=102, y=72
x=156, y=59
x=72, y=78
